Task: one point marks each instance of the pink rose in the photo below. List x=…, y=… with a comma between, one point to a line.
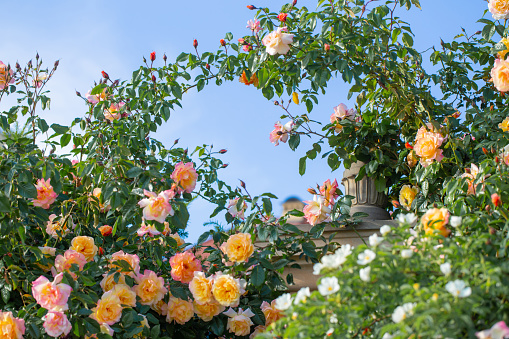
x=183, y=266
x=316, y=211
x=5, y=76
x=156, y=207
x=185, y=176
x=281, y=132
x=52, y=296
x=10, y=327
x=500, y=75
x=278, y=42
x=427, y=147
x=497, y=331
x=114, y=112
x=254, y=25
x=45, y=194
x=329, y=191
x=56, y=324
x=232, y=208
x=150, y=229
x=64, y=262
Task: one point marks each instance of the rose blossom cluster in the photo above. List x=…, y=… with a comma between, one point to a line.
x=281, y=132
x=341, y=112
x=427, y=145
x=318, y=210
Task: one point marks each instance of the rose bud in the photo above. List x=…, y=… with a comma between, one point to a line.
x=396, y=204
x=251, y=7
x=153, y=78
x=101, y=251
x=56, y=63
x=78, y=93
x=485, y=151
x=105, y=75
x=152, y=56
x=223, y=151
x=222, y=42
x=242, y=184
x=241, y=41
x=497, y=160
x=195, y=43
x=165, y=57
x=105, y=230
x=276, y=103
x=207, y=66
x=294, y=2
x=312, y=191
x=282, y=17
x=326, y=47
x=495, y=199
x=224, y=166
x=408, y=146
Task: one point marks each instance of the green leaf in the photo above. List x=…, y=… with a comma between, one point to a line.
x=267, y=205
x=182, y=57
x=27, y=190
x=380, y=184
x=134, y=172
x=5, y=204
x=294, y=141
x=6, y=294
x=128, y=319
x=408, y=40
x=59, y=129
x=302, y=165
x=98, y=89
x=43, y=126
x=309, y=249
x=65, y=139
x=257, y=276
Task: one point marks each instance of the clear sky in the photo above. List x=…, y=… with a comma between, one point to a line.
x=90, y=36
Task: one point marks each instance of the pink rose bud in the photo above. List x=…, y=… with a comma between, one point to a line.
x=326, y=47
x=153, y=78
x=294, y=2
x=105, y=75
x=78, y=93
x=165, y=57
x=242, y=184
x=241, y=41
x=223, y=43
x=282, y=17
x=152, y=56
x=224, y=166
x=207, y=66
x=195, y=43
x=223, y=151
x=251, y=7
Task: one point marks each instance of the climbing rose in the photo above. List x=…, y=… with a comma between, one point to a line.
x=239, y=322
x=52, y=296
x=208, y=311
x=504, y=125
x=341, y=112
x=497, y=331
x=132, y=259
x=150, y=288
x=278, y=42
x=227, y=290
x=254, y=25
x=233, y=210
x=108, y=281
x=10, y=327
x=316, y=210
x=282, y=17
x=239, y=247
x=201, y=288
x=45, y=194
x=329, y=191
x=500, y=75
x=185, y=176
x=436, y=219
x=281, y=132
x=5, y=77
x=499, y=9
x=156, y=207
x=150, y=229
x=407, y=196
x=253, y=80
x=427, y=146
x=105, y=230
x=271, y=313
x=70, y=257
x=183, y=266
x=56, y=324
x=180, y=311
x=84, y=245
x=126, y=295
x=108, y=310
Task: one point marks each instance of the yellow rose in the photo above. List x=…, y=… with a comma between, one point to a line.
x=436, y=219
x=239, y=247
x=160, y=307
x=504, y=125
x=108, y=310
x=201, y=288
x=499, y=9
x=407, y=196
x=150, y=288
x=239, y=322
x=108, y=281
x=84, y=245
x=208, y=311
x=502, y=54
x=427, y=147
x=500, y=75
x=125, y=294
x=411, y=159
x=271, y=313
x=11, y=327
x=179, y=310
x=227, y=290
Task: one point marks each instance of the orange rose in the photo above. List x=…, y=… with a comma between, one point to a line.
x=427, y=147
x=108, y=281
x=183, y=266
x=271, y=313
x=125, y=294
x=436, y=220
x=239, y=247
x=105, y=230
x=185, y=176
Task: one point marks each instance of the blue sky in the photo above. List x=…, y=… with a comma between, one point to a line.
x=90, y=36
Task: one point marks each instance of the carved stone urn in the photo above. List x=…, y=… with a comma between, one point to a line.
x=366, y=198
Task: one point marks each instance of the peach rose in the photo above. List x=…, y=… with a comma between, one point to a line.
x=108, y=310
x=427, y=147
x=70, y=257
x=108, y=281
x=470, y=176
x=6, y=77
x=227, y=290
x=10, y=327
x=281, y=132
x=56, y=324
x=278, y=42
x=156, y=207
x=271, y=313
x=316, y=211
x=502, y=54
x=183, y=266
x=257, y=330
x=53, y=228
x=201, y=288
x=499, y=9
x=239, y=322
x=160, y=307
x=132, y=259
x=329, y=191
x=436, y=219
x=208, y=311
x=185, y=176
x=180, y=311
x=94, y=99
x=84, y=245
x=105, y=230
x=49, y=253
x=407, y=196
x=500, y=75
x=45, y=194
x=178, y=239
x=150, y=288
x=239, y=247
x=252, y=80
x=52, y=296
x=114, y=112
x=341, y=112
x=125, y=294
